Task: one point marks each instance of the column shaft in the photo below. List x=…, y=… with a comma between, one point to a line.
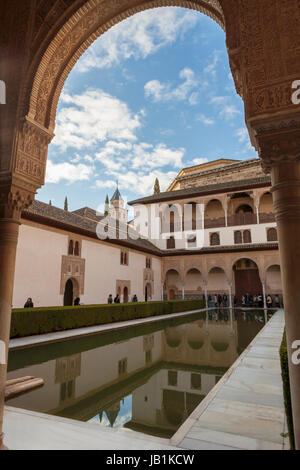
x=286, y=197
x=9, y=231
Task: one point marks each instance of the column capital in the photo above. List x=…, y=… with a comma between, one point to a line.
x=13, y=200
x=278, y=142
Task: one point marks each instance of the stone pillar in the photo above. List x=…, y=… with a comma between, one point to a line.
x=12, y=201
x=286, y=197
x=264, y=294
x=230, y=296
x=9, y=230
x=182, y=290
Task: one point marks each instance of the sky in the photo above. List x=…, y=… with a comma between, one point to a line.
x=151, y=96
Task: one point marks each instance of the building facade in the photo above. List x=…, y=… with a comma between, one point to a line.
x=212, y=232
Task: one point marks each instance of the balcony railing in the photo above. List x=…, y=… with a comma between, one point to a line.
x=266, y=218
x=215, y=223
x=242, y=219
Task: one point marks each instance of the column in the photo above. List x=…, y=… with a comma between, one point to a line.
x=182, y=290
x=230, y=296
x=162, y=292
x=264, y=294
x=9, y=231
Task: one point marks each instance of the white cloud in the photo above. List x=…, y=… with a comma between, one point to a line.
x=138, y=37
x=198, y=161
x=243, y=137
x=148, y=156
x=211, y=69
x=163, y=91
x=205, y=120
x=227, y=110
x=71, y=173
x=93, y=117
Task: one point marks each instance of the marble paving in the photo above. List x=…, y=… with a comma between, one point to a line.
x=245, y=410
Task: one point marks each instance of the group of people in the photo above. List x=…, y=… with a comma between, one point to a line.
x=116, y=300
x=249, y=300
x=218, y=300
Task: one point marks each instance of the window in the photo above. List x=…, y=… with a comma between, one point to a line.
x=148, y=357
x=247, y=236
x=242, y=237
x=214, y=239
x=196, y=381
x=172, y=378
x=122, y=366
x=148, y=263
x=76, y=250
x=171, y=243
x=272, y=235
x=71, y=247
x=238, y=238
x=124, y=258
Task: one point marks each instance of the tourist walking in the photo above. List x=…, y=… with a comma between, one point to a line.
x=225, y=298
x=110, y=299
x=269, y=301
x=29, y=303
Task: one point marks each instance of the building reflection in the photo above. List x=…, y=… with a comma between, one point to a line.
x=150, y=383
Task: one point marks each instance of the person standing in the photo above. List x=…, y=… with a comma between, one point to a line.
x=110, y=299
x=269, y=301
x=117, y=299
x=77, y=301
x=29, y=303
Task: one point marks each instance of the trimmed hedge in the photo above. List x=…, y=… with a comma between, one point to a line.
x=36, y=321
x=286, y=390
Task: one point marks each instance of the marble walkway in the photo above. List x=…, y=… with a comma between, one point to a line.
x=243, y=411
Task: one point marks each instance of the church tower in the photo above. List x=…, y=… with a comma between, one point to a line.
x=117, y=209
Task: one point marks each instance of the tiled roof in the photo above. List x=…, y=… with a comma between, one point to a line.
x=89, y=213
x=72, y=221
x=203, y=190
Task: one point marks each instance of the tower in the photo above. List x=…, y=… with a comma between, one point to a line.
x=117, y=209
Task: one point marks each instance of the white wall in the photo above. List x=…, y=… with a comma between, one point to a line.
x=38, y=269
x=38, y=266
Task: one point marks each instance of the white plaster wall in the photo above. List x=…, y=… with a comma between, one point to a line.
x=103, y=268
x=38, y=267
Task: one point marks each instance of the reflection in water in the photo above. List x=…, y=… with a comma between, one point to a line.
x=147, y=378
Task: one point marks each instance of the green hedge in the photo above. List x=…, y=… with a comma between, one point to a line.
x=286, y=390
x=35, y=321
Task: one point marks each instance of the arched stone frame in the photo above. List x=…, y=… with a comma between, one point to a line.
x=75, y=289
x=177, y=286
x=270, y=289
x=221, y=220
x=193, y=293
x=72, y=267
x=221, y=287
x=260, y=270
x=120, y=286
x=264, y=60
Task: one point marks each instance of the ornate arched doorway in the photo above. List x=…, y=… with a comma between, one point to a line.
x=71, y=292
x=247, y=279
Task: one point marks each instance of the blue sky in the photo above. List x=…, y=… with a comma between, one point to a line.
x=152, y=95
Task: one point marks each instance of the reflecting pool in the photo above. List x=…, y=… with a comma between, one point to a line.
x=148, y=378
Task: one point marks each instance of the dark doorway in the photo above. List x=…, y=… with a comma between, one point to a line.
x=247, y=280
x=68, y=296
x=125, y=295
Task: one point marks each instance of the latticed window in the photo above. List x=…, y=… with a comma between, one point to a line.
x=247, y=236
x=71, y=247
x=272, y=235
x=171, y=243
x=214, y=239
x=76, y=250
x=238, y=238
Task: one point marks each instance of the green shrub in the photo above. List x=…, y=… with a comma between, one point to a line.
x=35, y=321
x=286, y=390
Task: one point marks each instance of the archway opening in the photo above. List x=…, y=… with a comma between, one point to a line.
x=71, y=292
x=125, y=294
x=173, y=284
x=247, y=280
x=193, y=282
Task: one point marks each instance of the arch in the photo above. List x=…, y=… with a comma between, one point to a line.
x=192, y=282
x=51, y=67
x=217, y=281
x=173, y=283
x=214, y=215
x=190, y=216
x=246, y=278
x=71, y=291
x=125, y=295
x=71, y=248
x=148, y=292
x=244, y=209
x=273, y=279
x=76, y=249
x=214, y=239
x=174, y=336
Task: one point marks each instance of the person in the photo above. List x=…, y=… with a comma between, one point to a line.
x=219, y=300
x=225, y=298
x=269, y=301
x=134, y=298
x=117, y=299
x=243, y=300
x=77, y=301
x=216, y=300
x=110, y=299
x=277, y=301
x=260, y=301
x=29, y=303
